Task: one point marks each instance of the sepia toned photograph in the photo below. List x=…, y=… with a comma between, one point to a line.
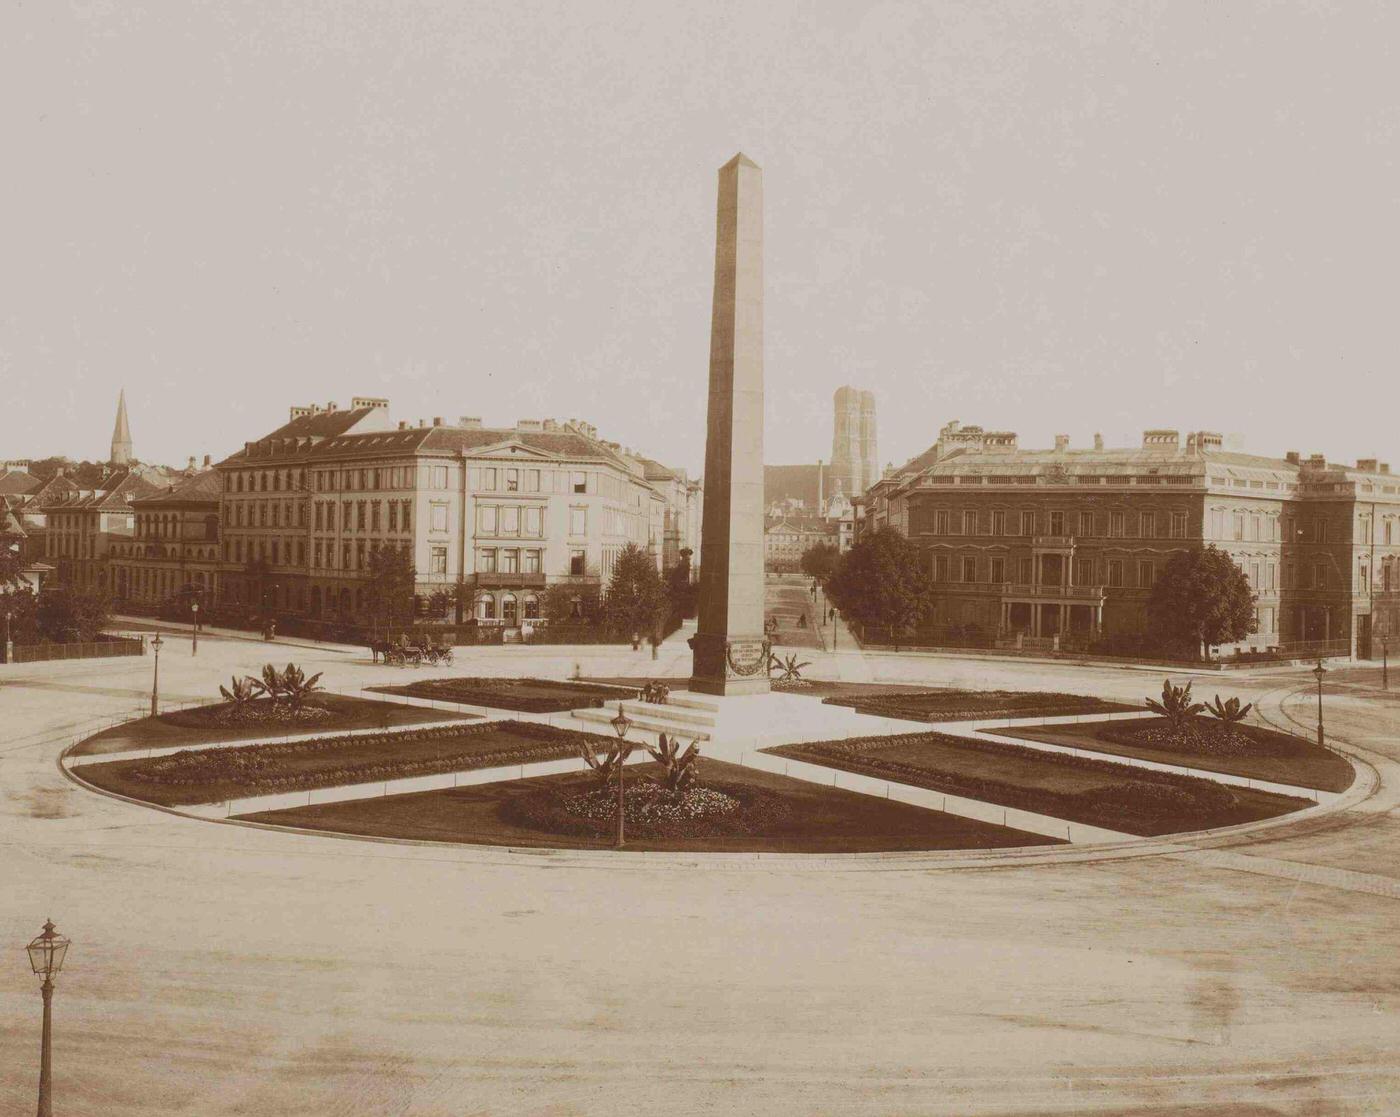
x=630, y=558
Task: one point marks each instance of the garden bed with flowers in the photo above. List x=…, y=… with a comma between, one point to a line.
x=216, y=775
x=529, y=696
x=1248, y=750
x=771, y=813
x=970, y=705
x=1079, y=789
x=200, y=724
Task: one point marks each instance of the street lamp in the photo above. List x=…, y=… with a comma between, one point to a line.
x=156, y=644
x=1385, y=662
x=621, y=724
x=1318, y=672
x=46, y=953
x=194, y=609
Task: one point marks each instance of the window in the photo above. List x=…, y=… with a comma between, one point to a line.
x=1364, y=583
x=1178, y=525
x=940, y=522
x=998, y=570
x=969, y=523
x=486, y=519
x=1115, y=572
x=1084, y=572
x=1319, y=576
x=532, y=480
x=969, y=569
x=1147, y=525
x=1057, y=523
x=532, y=608
x=1319, y=531
x=1116, y=525
x=534, y=522
x=1239, y=525
x=393, y=515
x=998, y=528
x=374, y=516
x=578, y=521
x=580, y=481
x=512, y=480
x=274, y=551
x=510, y=520
x=1147, y=574
x=532, y=562
x=486, y=560
x=1254, y=575
x=940, y=568
x=439, y=477
x=359, y=554
x=437, y=560
x=577, y=562
x=510, y=561
x=407, y=521
x=486, y=607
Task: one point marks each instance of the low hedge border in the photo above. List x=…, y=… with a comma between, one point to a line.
x=1047, y=704
x=497, y=693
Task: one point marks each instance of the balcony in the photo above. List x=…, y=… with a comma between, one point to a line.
x=1080, y=594
x=1053, y=542
x=490, y=580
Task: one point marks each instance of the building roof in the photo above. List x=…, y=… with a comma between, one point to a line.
x=118, y=489
x=16, y=482
x=202, y=488
x=807, y=483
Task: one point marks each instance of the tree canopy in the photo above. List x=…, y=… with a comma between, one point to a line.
x=883, y=581
x=819, y=561
x=389, y=586
x=1200, y=599
x=636, y=599
x=680, y=588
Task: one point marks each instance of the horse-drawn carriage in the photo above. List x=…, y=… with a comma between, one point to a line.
x=403, y=652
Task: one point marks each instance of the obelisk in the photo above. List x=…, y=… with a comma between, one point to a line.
x=731, y=653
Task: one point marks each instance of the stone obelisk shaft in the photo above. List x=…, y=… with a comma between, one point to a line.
x=731, y=655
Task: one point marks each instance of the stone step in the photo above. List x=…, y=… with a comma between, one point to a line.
x=599, y=721
x=670, y=712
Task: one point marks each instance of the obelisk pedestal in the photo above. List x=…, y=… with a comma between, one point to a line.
x=731, y=650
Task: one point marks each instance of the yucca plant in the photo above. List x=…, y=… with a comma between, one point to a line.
x=606, y=766
x=678, y=768
x=270, y=683
x=239, y=692
x=790, y=668
x=1176, y=706
x=297, y=687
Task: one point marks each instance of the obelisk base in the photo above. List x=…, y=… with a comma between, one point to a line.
x=737, y=665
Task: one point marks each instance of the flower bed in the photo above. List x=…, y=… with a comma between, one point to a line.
x=211, y=723
x=972, y=705
x=215, y=775
x=1248, y=750
x=1095, y=792
x=776, y=814
x=531, y=696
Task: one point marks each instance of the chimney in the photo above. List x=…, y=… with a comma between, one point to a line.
x=422, y=423
x=403, y=424
x=1367, y=465
x=1061, y=442
x=1317, y=461
x=1385, y=468
x=470, y=422
x=1098, y=442
x=528, y=425
x=1161, y=439
x=437, y=420
x=551, y=424
x=208, y=461
x=1293, y=457
x=330, y=406
x=190, y=467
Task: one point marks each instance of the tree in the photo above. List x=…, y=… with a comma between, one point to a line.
x=636, y=601
x=1201, y=599
x=389, y=587
x=681, y=590
x=565, y=603
x=10, y=562
x=66, y=616
x=819, y=561
x=883, y=581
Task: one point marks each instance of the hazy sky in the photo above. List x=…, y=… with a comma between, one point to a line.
x=1036, y=216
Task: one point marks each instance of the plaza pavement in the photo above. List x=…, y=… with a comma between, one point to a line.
x=229, y=970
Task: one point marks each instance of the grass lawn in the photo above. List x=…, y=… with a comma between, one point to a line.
x=534, y=696
x=814, y=819
x=949, y=704
x=199, y=724
x=1279, y=757
x=215, y=775
x=1098, y=793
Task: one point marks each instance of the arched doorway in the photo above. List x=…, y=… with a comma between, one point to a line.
x=509, y=611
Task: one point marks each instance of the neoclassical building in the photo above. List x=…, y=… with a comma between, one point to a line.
x=490, y=516
x=1070, y=540
x=173, y=550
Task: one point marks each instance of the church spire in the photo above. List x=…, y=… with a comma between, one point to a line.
x=121, y=434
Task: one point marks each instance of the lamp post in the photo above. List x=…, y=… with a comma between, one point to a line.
x=46, y=952
x=9, y=644
x=1385, y=661
x=1318, y=672
x=156, y=644
x=194, y=611
x=621, y=724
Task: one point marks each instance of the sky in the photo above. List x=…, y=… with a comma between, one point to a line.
x=1043, y=217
